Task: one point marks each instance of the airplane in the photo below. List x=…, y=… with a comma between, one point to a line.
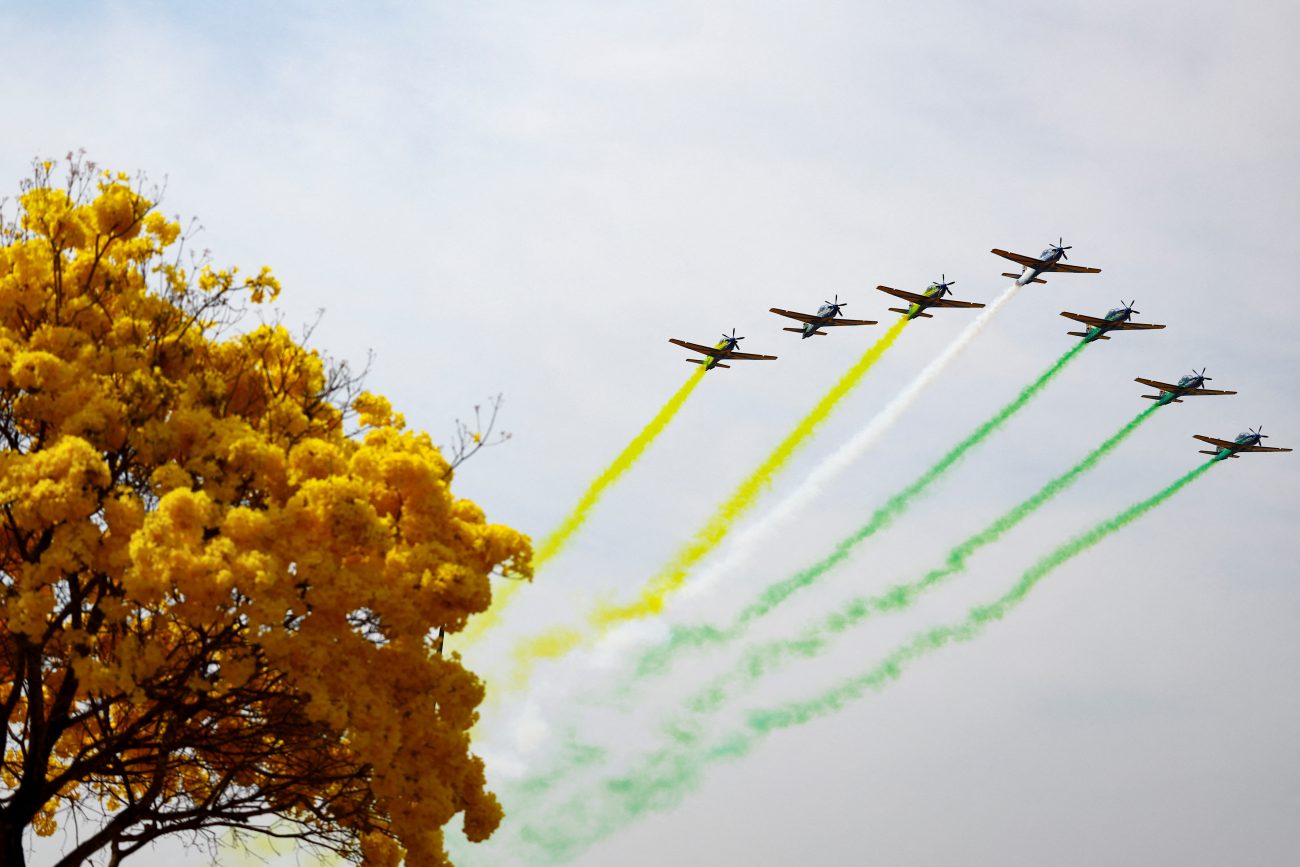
x=1245, y=442
x=724, y=350
x=825, y=316
x=1048, y=261
x=1188, y=386
x=1115, y=320
x=931, y=297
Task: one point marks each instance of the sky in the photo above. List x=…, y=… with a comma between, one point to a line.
x=530, y=199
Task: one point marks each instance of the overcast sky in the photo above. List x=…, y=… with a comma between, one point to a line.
x=531, y=198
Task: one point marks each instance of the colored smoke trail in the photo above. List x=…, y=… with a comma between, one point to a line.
x=659, y=658
x=558, y=642
x=745, y=542
x=763, y=659
x=552, y=544
x=669, y=774
x=673, y=575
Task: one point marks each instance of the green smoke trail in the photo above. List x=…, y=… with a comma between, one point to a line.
x=761, y=660
x=657, y=659
x=667, y=775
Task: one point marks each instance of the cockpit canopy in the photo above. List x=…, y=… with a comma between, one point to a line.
x=1117, y=313
x=1188, y=380
x=1047, y=254
x=1242, y=437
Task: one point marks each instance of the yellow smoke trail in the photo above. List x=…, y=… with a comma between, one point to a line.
x=558, y=642
x=552, y=544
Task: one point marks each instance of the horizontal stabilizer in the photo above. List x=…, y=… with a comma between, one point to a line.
x=693, y=360
x=1204, y=452
x=1009, y=274
x=1085, y=334
x=898, y=310
x=728, y=366
x=1158, y=396
x=819, y=334
x=795, y=330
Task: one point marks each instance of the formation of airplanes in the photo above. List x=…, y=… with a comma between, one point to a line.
x=1050, y=261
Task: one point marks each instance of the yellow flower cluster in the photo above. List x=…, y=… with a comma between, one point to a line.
x=197, y=549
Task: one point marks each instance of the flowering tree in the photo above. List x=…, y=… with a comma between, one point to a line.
x=223, y=568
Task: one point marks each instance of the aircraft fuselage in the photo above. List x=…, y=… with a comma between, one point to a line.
x=1118, y=315
x=727, y=347
x=934, y=291
x=1246, y=439
x=1048, y=257
x=825, y=314
x=1186, y=384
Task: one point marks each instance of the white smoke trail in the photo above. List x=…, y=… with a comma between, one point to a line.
x=746, y=542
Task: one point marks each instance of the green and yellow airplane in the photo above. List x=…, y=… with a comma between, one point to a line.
x=931, y=297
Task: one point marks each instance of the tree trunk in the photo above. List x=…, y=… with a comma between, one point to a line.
x=12, y=853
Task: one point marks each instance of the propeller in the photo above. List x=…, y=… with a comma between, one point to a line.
x=1202, y=375
x=1257, y=433
x=943, y=284
x=1059, y=243
x=1129, y=307
x=836, y=305
x=733, y=339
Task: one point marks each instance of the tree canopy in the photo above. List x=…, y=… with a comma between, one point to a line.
x=224, y=566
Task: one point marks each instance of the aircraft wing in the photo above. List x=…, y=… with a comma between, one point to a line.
x=1223, y=444
x=928, y=300
x=1155, y=383
x=749, y=356
x=1086, y=320
x=1074, y=269
x=1261, y=449
x=1133, y=326
x=1019, y=259
x=695, y=347
x=905, y=295
x=802, y=317
x=850, y=322
x=1208, y=391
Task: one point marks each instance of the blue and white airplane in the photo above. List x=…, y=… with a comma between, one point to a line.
x=1049, y=261
x=825, y=316
x=1115, y=320
x=1245, y=442
x=1188, y=386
